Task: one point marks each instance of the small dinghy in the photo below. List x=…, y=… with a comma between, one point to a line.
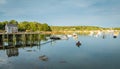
x=55, y=38
x=78, y=43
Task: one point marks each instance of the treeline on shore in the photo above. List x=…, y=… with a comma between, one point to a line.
x=25, y=25
x=37, y=26
x=75, y=28
x=80, y=28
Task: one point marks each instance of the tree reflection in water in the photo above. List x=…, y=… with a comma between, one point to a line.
x=29, y=40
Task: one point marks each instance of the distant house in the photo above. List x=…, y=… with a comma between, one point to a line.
x=11, y=28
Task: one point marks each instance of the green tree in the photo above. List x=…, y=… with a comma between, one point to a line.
x=13, y=22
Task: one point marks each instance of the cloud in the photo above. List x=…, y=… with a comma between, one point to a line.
x=3, y=2
x=63, y=11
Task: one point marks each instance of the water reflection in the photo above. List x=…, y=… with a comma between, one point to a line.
x=12, y=52
x=12, y=46
x=34, y=53
x=104, y=36
x=43, y=58
x=22, y=40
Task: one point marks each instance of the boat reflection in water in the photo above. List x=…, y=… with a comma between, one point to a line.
x=12, y=52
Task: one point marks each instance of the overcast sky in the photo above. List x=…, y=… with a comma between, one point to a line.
x=104, y=13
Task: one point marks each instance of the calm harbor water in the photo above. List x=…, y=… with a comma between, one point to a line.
x=95, y=52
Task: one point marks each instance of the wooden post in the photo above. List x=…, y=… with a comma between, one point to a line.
x=39, y=41
x=8, y=39
x=33, y=38
x=3, y=36
x=30, y=39
x=24, y=39
x=14, y=40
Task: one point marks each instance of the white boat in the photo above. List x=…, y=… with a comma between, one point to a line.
x=69, y=35
x=75, y=35
x=64, y=37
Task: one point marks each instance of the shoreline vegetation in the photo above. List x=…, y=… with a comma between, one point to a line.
x=27, y=26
